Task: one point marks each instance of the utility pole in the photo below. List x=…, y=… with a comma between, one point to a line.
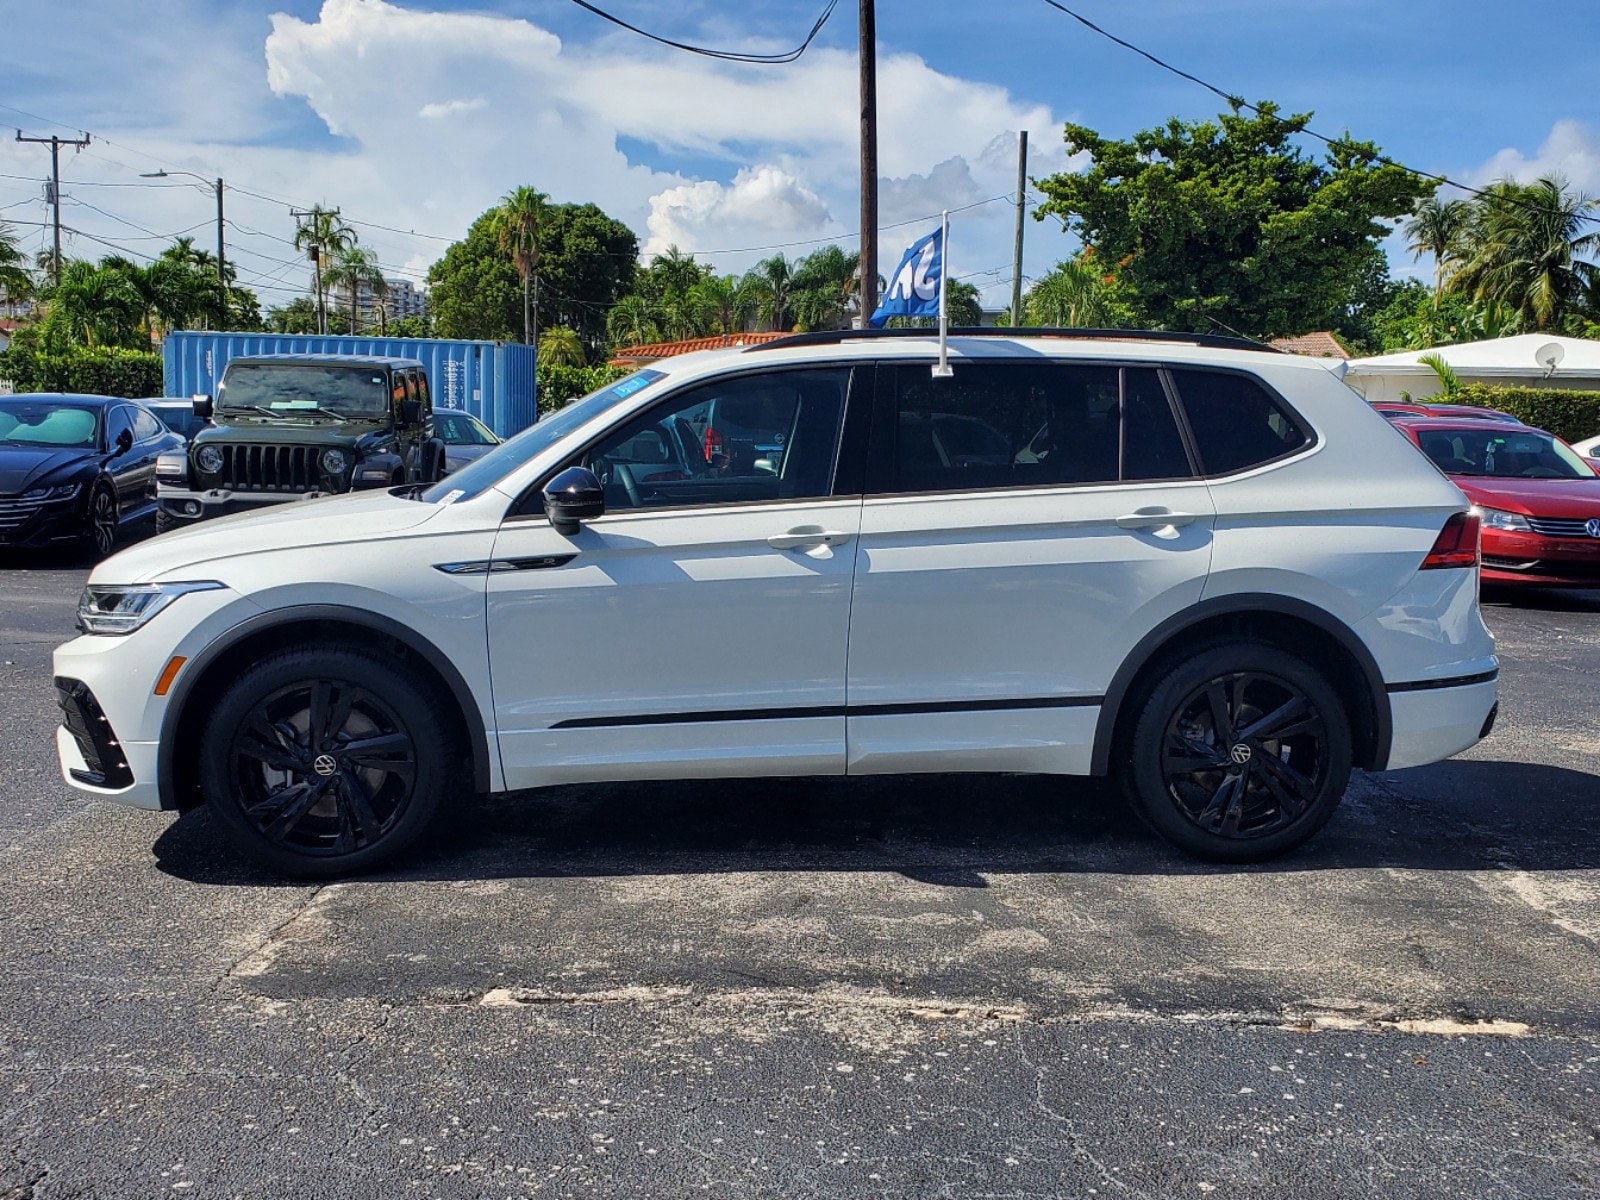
x=1022, y=208
x=222, y=261
x=55, y=144
x=868, y=289
x=316, y=262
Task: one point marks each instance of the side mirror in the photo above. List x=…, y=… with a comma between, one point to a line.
x=124, y=441
x=410, y=412
x=574, y=495
x=202, y=406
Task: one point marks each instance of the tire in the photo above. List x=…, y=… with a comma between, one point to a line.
x=164, y=522
x=101, y=521
x=312, y=808
x=1273, y=778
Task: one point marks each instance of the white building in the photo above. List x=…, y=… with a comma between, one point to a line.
x=1527, y=360
x=402, y=299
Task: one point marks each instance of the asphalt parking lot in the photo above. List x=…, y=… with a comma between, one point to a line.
x=955, y=987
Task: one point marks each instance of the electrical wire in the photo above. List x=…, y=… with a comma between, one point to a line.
x=1241, y=102
x=738, y=56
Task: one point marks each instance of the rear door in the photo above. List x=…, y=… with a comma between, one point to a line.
x=700, y=626
x=1025, y=524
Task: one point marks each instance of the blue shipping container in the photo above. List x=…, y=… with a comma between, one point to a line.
x=493, y=381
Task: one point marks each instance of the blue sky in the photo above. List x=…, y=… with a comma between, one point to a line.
x=417, y=115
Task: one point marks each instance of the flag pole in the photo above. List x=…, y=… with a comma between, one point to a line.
x=942, y=369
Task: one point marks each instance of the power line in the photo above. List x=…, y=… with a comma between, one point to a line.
x=739, y=56
x=1241, y=102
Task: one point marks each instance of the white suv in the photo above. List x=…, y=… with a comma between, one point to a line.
x=1208, y=570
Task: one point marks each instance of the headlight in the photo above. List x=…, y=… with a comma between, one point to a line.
x=1496, y=518
x=121, y=608
x=209, y=459
x=53, y=493
x=335, y=461
x=174, y=464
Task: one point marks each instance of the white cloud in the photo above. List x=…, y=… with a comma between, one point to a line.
x=1572, y=150
x=762, y=205
x=451, y=108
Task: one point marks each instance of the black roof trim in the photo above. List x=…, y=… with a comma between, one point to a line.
x=828, y=337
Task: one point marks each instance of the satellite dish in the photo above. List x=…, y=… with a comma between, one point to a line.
x=1549, y=356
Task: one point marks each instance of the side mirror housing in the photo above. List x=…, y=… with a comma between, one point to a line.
x=410, y=412
x=202, y=406
x=573, y=496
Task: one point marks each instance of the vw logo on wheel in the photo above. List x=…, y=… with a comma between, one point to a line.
x=1240, y=754
x=325, y=765
x=1592, y=528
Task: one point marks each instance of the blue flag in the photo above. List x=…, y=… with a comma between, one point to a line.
x=914, y=287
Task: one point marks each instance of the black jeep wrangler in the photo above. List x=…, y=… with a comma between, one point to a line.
x=289, y=426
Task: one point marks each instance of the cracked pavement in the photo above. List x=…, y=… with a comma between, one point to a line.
x=934, y=987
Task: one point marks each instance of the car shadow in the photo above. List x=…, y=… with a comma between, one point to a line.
x=955, y=830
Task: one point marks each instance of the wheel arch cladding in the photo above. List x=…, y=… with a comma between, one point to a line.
x=1294, y=625
x=222, y=661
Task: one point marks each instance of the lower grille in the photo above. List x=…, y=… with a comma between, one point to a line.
x=250, y=467
x=97, y=741
x=14, y=512
x=1560, y=526
x=1553, y=568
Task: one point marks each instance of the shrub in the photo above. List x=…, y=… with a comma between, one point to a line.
x=560, y=384
x=92, y=370
x=1571, y=415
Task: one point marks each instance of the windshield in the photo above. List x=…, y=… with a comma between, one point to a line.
x=351, y=391
x=1502, y=454
x=44, y=423
x=458, y=429
x=477, y=477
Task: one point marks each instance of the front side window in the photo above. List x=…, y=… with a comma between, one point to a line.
x=312, y=389
x=742, y=440
x=1006, y=425
x=1237, y=424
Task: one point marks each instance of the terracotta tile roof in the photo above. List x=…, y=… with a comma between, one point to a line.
x=1313, y=345
x=722, y=341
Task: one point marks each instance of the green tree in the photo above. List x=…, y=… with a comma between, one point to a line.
x=773, y=282
x=826, y=288
x=725, y=304
x=297, y=316
x=322, y=235
x=1442, y=229
x=631, y=322
x=16, y=280
x=518, y=223
x=1532, y=245
x=353, y=269
x=1077, y=293
x=1229, y=223
x=563, y=346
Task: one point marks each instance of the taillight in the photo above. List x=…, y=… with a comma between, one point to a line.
x=713, y=443
x=1456, y=545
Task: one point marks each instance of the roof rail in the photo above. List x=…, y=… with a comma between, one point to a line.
x=827, y=337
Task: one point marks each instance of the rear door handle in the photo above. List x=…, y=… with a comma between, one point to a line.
x=1155, y=518
x=805, y=536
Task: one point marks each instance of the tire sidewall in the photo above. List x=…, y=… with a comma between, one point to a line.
x=399, y=687
x=100, y=490
x=1146, y=786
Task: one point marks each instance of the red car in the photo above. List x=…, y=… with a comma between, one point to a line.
x=1405, y=410
x=1539, y=499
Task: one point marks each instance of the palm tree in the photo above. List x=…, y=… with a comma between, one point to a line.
x=322, y=235
x=724, y=303
x=1532, y=248
x=827, y=283
x=517, y=223
x=1073, y=295
x=15, y=278
x=631, y=322
x=773, y=282
x=1443, y=230
x=561, y=346
x=93, y=305
x=356, y=268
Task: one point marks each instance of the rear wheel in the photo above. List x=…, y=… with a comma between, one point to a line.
x=1241, y=752
x=326, y=761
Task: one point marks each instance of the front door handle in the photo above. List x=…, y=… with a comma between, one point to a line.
x=1155, y=518
x=807, y=536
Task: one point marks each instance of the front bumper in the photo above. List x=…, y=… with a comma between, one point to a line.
x=186, y=504
x=1531, y=558
x=26, y=523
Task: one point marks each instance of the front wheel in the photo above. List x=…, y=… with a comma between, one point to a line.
x=100, y=530
x=1241, y=752
x=326, y=761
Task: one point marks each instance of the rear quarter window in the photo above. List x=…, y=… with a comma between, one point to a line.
x=1237, y=423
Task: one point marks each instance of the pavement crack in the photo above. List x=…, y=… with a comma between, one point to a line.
x=259, y=960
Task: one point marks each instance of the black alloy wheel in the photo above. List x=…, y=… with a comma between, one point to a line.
x=101, y=533
x=1245, y=755
x=1238, y=752
x=323, y=768
x=324, y=761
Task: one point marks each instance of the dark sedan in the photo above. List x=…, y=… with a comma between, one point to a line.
x=465, y=438
x=76, y=468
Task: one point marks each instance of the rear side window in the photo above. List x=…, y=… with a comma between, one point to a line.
x=1006, y=425
x=1236, y=422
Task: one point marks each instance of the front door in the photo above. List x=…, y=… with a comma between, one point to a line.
x=700, y=626
x=1026, y=524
